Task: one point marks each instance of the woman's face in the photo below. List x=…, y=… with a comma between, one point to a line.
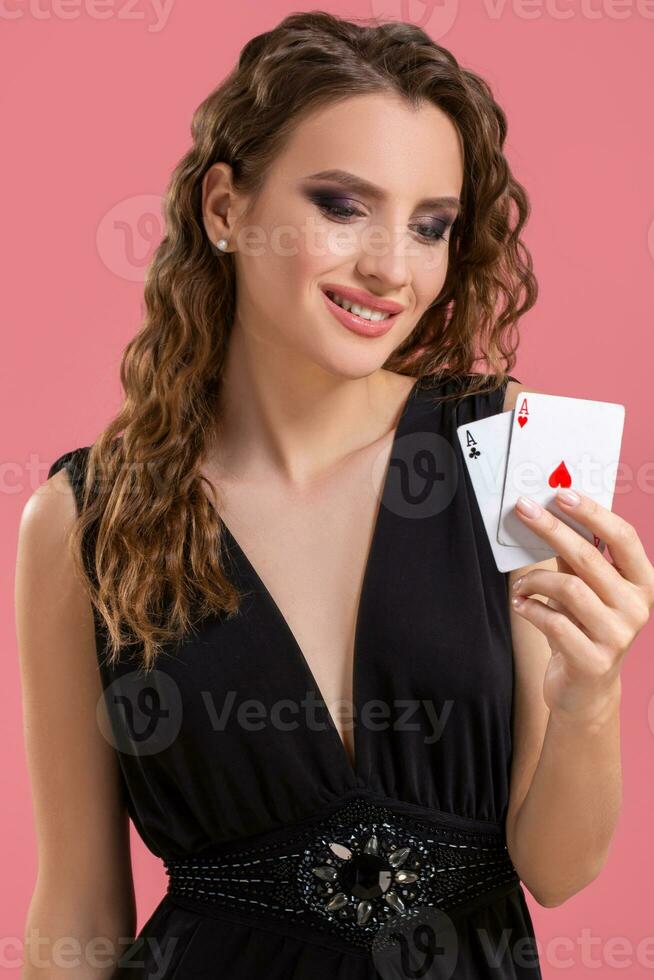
x=306, y=233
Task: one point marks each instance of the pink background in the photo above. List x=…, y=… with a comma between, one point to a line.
x=96, y=112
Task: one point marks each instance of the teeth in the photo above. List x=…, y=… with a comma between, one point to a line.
x=361, y=311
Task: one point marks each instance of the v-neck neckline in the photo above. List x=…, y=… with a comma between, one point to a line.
x=351, y=765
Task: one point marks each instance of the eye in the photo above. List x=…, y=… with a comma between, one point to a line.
x=435, y=232
x=336, y=210
x=431, y=233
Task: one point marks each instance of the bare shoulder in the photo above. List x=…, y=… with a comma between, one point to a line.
x=512, y=389
x=80, y=817
x=48, y=515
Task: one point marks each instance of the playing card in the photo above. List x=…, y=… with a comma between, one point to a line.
x=555, y=442
x=485, y=445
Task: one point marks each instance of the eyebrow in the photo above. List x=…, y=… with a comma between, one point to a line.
x=361, y=186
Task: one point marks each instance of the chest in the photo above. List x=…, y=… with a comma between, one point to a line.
x=310, y=550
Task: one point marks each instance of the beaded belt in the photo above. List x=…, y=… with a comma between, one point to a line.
x=350, y=873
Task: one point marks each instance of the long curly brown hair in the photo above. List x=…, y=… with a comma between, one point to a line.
x=157, y=563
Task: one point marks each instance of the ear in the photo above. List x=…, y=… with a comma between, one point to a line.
x=222, y=205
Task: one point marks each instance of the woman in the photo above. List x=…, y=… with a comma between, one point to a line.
x=277, y=525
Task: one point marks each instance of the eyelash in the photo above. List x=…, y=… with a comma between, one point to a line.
x=330, y=209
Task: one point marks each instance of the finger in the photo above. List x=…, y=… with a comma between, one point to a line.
x=627, y=549
x=578, y=600
x=559, y=607
x=562, y=635
x=585, y=560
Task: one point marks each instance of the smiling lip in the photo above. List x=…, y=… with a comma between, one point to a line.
x=358, y=324
x=362, y=298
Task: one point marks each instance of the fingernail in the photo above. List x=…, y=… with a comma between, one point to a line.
x=528, y=507
x=517, y=600
x=516, y=584
x=568, y=497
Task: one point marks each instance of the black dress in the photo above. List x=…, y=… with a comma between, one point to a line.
x=235, y=775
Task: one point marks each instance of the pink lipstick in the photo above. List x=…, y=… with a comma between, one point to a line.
x=358, y=324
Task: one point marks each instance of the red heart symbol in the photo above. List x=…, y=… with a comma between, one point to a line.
x=522, y=420
x=560, y=476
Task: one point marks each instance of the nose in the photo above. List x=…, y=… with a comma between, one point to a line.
x=384, y=256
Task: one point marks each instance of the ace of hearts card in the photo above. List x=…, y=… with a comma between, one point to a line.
x=547, y=441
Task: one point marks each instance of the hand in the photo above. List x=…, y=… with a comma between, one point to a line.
x=595, y=608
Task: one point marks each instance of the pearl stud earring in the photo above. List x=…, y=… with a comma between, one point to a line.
x=222, y=243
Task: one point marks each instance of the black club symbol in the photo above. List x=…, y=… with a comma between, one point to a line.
x=473, y=453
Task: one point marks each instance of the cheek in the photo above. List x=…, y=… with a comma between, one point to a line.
x=276, y=246
x=429, y=277
x=432, y=270
x=294, y=261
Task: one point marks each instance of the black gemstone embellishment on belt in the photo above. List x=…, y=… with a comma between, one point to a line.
x=365, y=876
x=350, y=872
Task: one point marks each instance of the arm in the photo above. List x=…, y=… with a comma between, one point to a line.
x=84, y=887
x=566, y=780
